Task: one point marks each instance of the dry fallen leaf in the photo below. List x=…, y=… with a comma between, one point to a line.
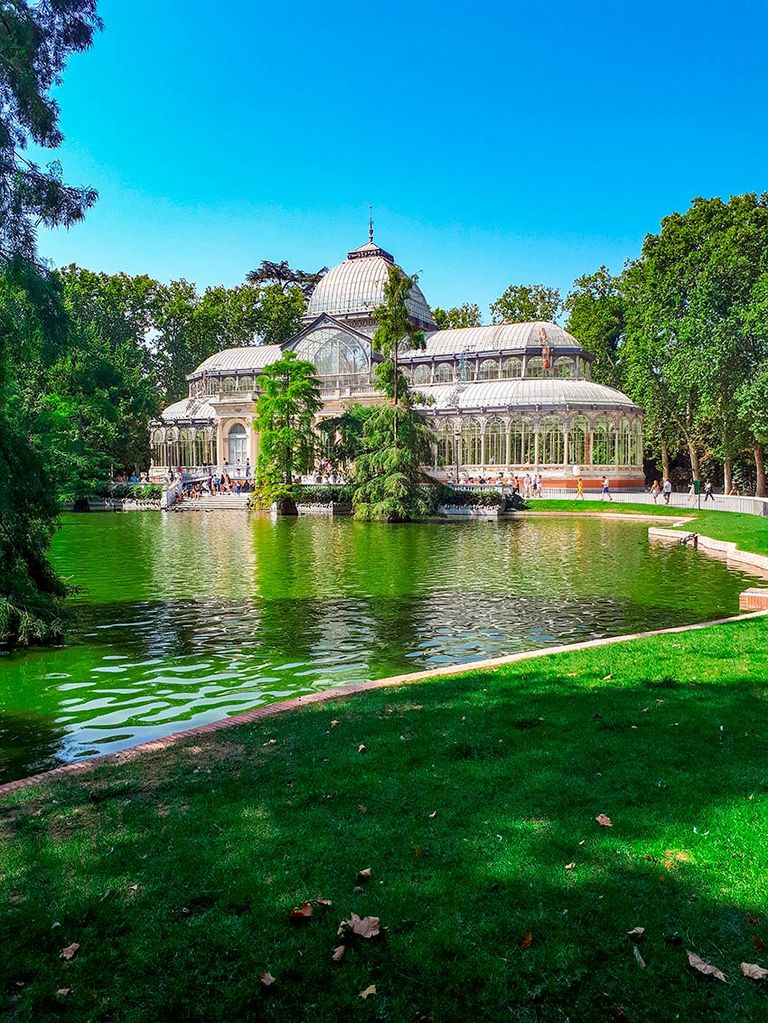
x=753, y=971
x=570, y=866
x=433, y=814
x=302, y=913
x=64, y=991
x=363, y=927
x=334, y=723
x=70, y=951
x=323, y=902
x=706, y=968
x=362, y=748
x=759, y=943
x=606, y=822
x=362, y=809
x=338, y=952
x=363, y=875
x=267, y=980
x=370, y=990
x=133, y=888
x=636, y=932
x=525, y=941
x=607, y=678
x=417, y=851
x=640, y=960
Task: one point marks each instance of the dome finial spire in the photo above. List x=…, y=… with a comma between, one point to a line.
x=370, y=223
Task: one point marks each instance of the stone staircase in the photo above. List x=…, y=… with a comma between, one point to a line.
x=217, y=502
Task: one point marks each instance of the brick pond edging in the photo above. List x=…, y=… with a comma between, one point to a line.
x=340, y=692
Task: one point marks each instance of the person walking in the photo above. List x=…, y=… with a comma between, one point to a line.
x=655, y=491
x=606, y=489
x=666, y=490
x=580, y=489
x=709, y=494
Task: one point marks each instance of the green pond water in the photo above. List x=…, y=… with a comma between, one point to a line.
x=185, y=618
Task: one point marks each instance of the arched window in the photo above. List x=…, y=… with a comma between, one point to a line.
x=511, y=368
x=534, y=367
x=186, y=455
x=495, y=443
x=578, y=438
x=522, y=443
x=602, y=444
x=172, y=447
x=443, y=373
x=470, y=442
x=246, y=383
x=446, y=446
x=623, y=452
x=565, y=367
x=334, y=352
x=585, y=369
x=488, y=370
x=552, y=442
x=158, y=447
x=209, y=449
x=637, y=443
x=228, y=385
x=422, y=374
x=237, y=445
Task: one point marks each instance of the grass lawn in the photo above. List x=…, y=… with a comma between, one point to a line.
x=474, y=805
x=750, y=532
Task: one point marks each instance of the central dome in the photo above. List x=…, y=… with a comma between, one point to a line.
x=354, y=288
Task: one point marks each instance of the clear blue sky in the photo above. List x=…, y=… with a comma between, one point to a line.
x=499, y=142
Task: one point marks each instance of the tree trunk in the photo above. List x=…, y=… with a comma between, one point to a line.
x=694, y=455
x=286, y=505
x=727, y=476
x=760, y=472
x=665, y=466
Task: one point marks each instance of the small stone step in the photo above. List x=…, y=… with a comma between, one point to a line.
x=754, y=599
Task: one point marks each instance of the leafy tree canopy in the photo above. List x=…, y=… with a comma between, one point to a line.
x=466, y=315
x=35, y=41
x=596, y=317
x=521, y=303
x=285, y=277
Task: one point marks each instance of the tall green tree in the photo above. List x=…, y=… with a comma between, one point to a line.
x=596, y=318
x=521, y=303
x=694, y=330
x=389, y=481
x=466, y=315
x=35, y=41
x=285, y=420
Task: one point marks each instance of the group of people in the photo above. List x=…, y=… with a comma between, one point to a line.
x=529, y=486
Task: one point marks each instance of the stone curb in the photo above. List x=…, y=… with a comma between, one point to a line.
x=341, y=692
x=733, y=553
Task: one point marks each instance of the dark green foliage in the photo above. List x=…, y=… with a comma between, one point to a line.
x=472, y=795
x=323, y=493
x=30, y=593
x=395, y=442
x=35, y=42
x=389, y=482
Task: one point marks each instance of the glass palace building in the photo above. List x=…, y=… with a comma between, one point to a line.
x=507, y=398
